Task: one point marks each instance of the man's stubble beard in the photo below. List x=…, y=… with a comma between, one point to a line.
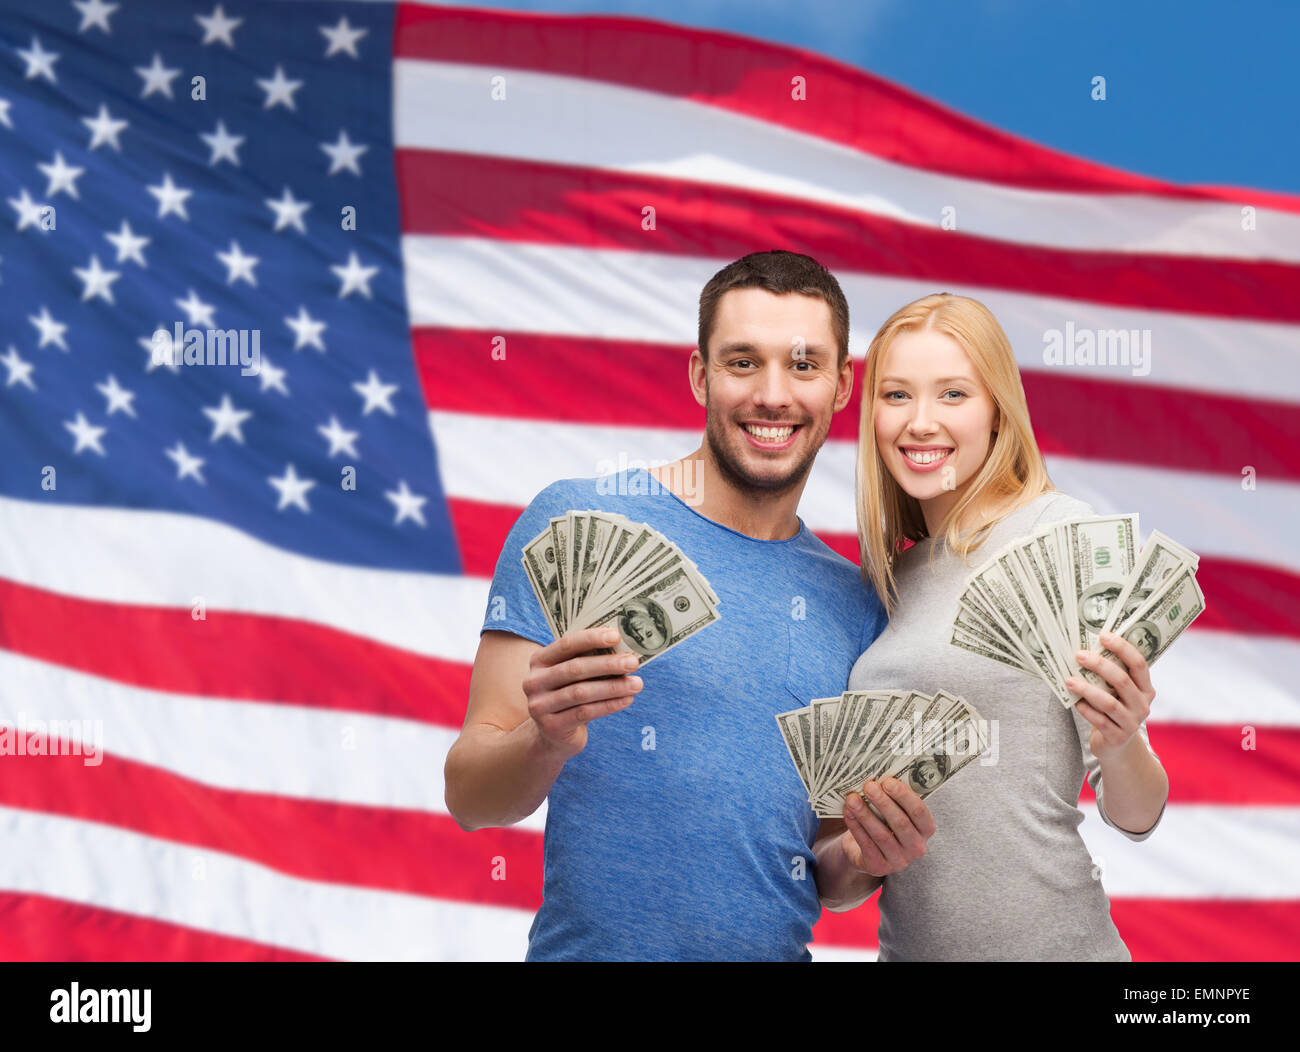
x=735, y=474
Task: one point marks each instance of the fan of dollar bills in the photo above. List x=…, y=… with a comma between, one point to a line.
x=593, y=568
x=839, y=743
x=1039, y=599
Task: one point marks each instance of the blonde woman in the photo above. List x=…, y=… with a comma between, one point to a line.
x=948, y=460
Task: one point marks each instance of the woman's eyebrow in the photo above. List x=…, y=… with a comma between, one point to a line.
x=941, y=380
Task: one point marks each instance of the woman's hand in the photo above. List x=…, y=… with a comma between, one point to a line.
x=877, y=849
x=1114, y=720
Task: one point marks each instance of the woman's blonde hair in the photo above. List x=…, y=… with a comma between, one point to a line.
x=1013, y=474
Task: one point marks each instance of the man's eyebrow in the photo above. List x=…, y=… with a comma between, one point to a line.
x=941, y=380
x=746, y=346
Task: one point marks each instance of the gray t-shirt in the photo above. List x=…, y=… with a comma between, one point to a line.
x=1006, y=875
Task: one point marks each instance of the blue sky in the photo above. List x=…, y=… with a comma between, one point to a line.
x=1197, y=91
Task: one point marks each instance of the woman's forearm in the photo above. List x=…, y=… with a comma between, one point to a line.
x=1134, y=786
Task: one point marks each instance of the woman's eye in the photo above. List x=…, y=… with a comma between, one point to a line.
x=960, y=394
x=889, y=395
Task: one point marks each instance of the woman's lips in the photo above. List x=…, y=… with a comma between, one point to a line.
x=924, y=468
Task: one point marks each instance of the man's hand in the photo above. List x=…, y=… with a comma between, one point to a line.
x=566, y=688
x=879, y=849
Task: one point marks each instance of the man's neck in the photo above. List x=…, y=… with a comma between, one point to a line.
x=762, y=514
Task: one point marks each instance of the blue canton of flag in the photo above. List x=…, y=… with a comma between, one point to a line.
x=224, y=177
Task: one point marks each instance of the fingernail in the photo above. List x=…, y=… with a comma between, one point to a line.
x=855, y=805
x=610, y=635
x=635, y=682
x=873, y=790
x=630, y=661
x=892, y=786
x=1080, y=655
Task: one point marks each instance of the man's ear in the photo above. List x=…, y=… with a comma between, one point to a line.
x=844, y=384
x=697, y=369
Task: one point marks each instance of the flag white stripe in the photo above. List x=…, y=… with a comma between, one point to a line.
x=562, y=119
x=253, y=747
x=163, y=558
x=501, y=286
x=1177, y=502
x=1201, y=851
x=116, y=869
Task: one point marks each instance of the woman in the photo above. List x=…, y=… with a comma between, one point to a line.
x=947, y=459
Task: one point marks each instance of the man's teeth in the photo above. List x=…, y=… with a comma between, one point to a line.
x=770, y=434
x=928, y=457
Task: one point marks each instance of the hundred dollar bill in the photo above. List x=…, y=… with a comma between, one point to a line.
x=659, y=616
x=1159, y=560
x=1102, y=552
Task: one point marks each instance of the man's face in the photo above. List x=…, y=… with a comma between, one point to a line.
x=641, y=627
x=771, y=385
x=1097, y=607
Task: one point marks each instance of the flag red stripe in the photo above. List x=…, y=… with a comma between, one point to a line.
x=1153, y=929
x=588, y=380
x=1208, y=765
x=509, y=199
x=416, y=852
x=40, y=928
x=231, y=655
x=754, y=78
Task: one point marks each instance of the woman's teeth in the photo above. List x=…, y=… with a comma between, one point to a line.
x=770, y=434
x=926, y=458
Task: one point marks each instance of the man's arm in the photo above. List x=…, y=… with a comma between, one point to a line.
x=854, y=854
x=529, y=707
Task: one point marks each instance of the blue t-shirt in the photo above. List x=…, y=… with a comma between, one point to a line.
x=682, y=831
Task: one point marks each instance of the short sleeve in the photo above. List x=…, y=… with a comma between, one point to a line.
x=512, y=605
x=1094, y=774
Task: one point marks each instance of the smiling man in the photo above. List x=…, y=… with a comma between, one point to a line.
x=677, y=827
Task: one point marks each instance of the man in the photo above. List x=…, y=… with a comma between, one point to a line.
x=677, y=827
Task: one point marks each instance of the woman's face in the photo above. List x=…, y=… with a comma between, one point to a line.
x=934, y=418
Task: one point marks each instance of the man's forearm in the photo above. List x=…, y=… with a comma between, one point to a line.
x=1134, y=786
x=840, y=885
x=496, y=778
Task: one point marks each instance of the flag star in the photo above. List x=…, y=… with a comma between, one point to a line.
x=4, y=113
x=186, y=463
x=306, y=330
x=288, y=212
x=223, y=144
x=279, y=89
x=339, y=438
x=162, y=350
x=128, y=245
x=408, y=505
x=40, y=63
x=354, y=276
x=86, y=434
x=104, y=129
x=51, y=331
x=227, y=420
x=344, y=154
x=238, y=265
x=29, y=212
x=171, y=198
x=62, y=176
x=118, y=397
x=20, y=372
x=94, y=13
x=271, y=376
x=343, y=37
x=292, y=489
x=196, y=311
x=218, y=28
x=157, y=77
x=96, y=281
x=376, y=394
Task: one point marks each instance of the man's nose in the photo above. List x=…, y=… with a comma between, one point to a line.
x=773, y=391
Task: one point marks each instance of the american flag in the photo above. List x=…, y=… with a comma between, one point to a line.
x=470, y=244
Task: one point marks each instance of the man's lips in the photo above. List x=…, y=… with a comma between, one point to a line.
x=770, y=435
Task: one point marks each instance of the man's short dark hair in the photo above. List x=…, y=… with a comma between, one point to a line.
x=779, y=272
